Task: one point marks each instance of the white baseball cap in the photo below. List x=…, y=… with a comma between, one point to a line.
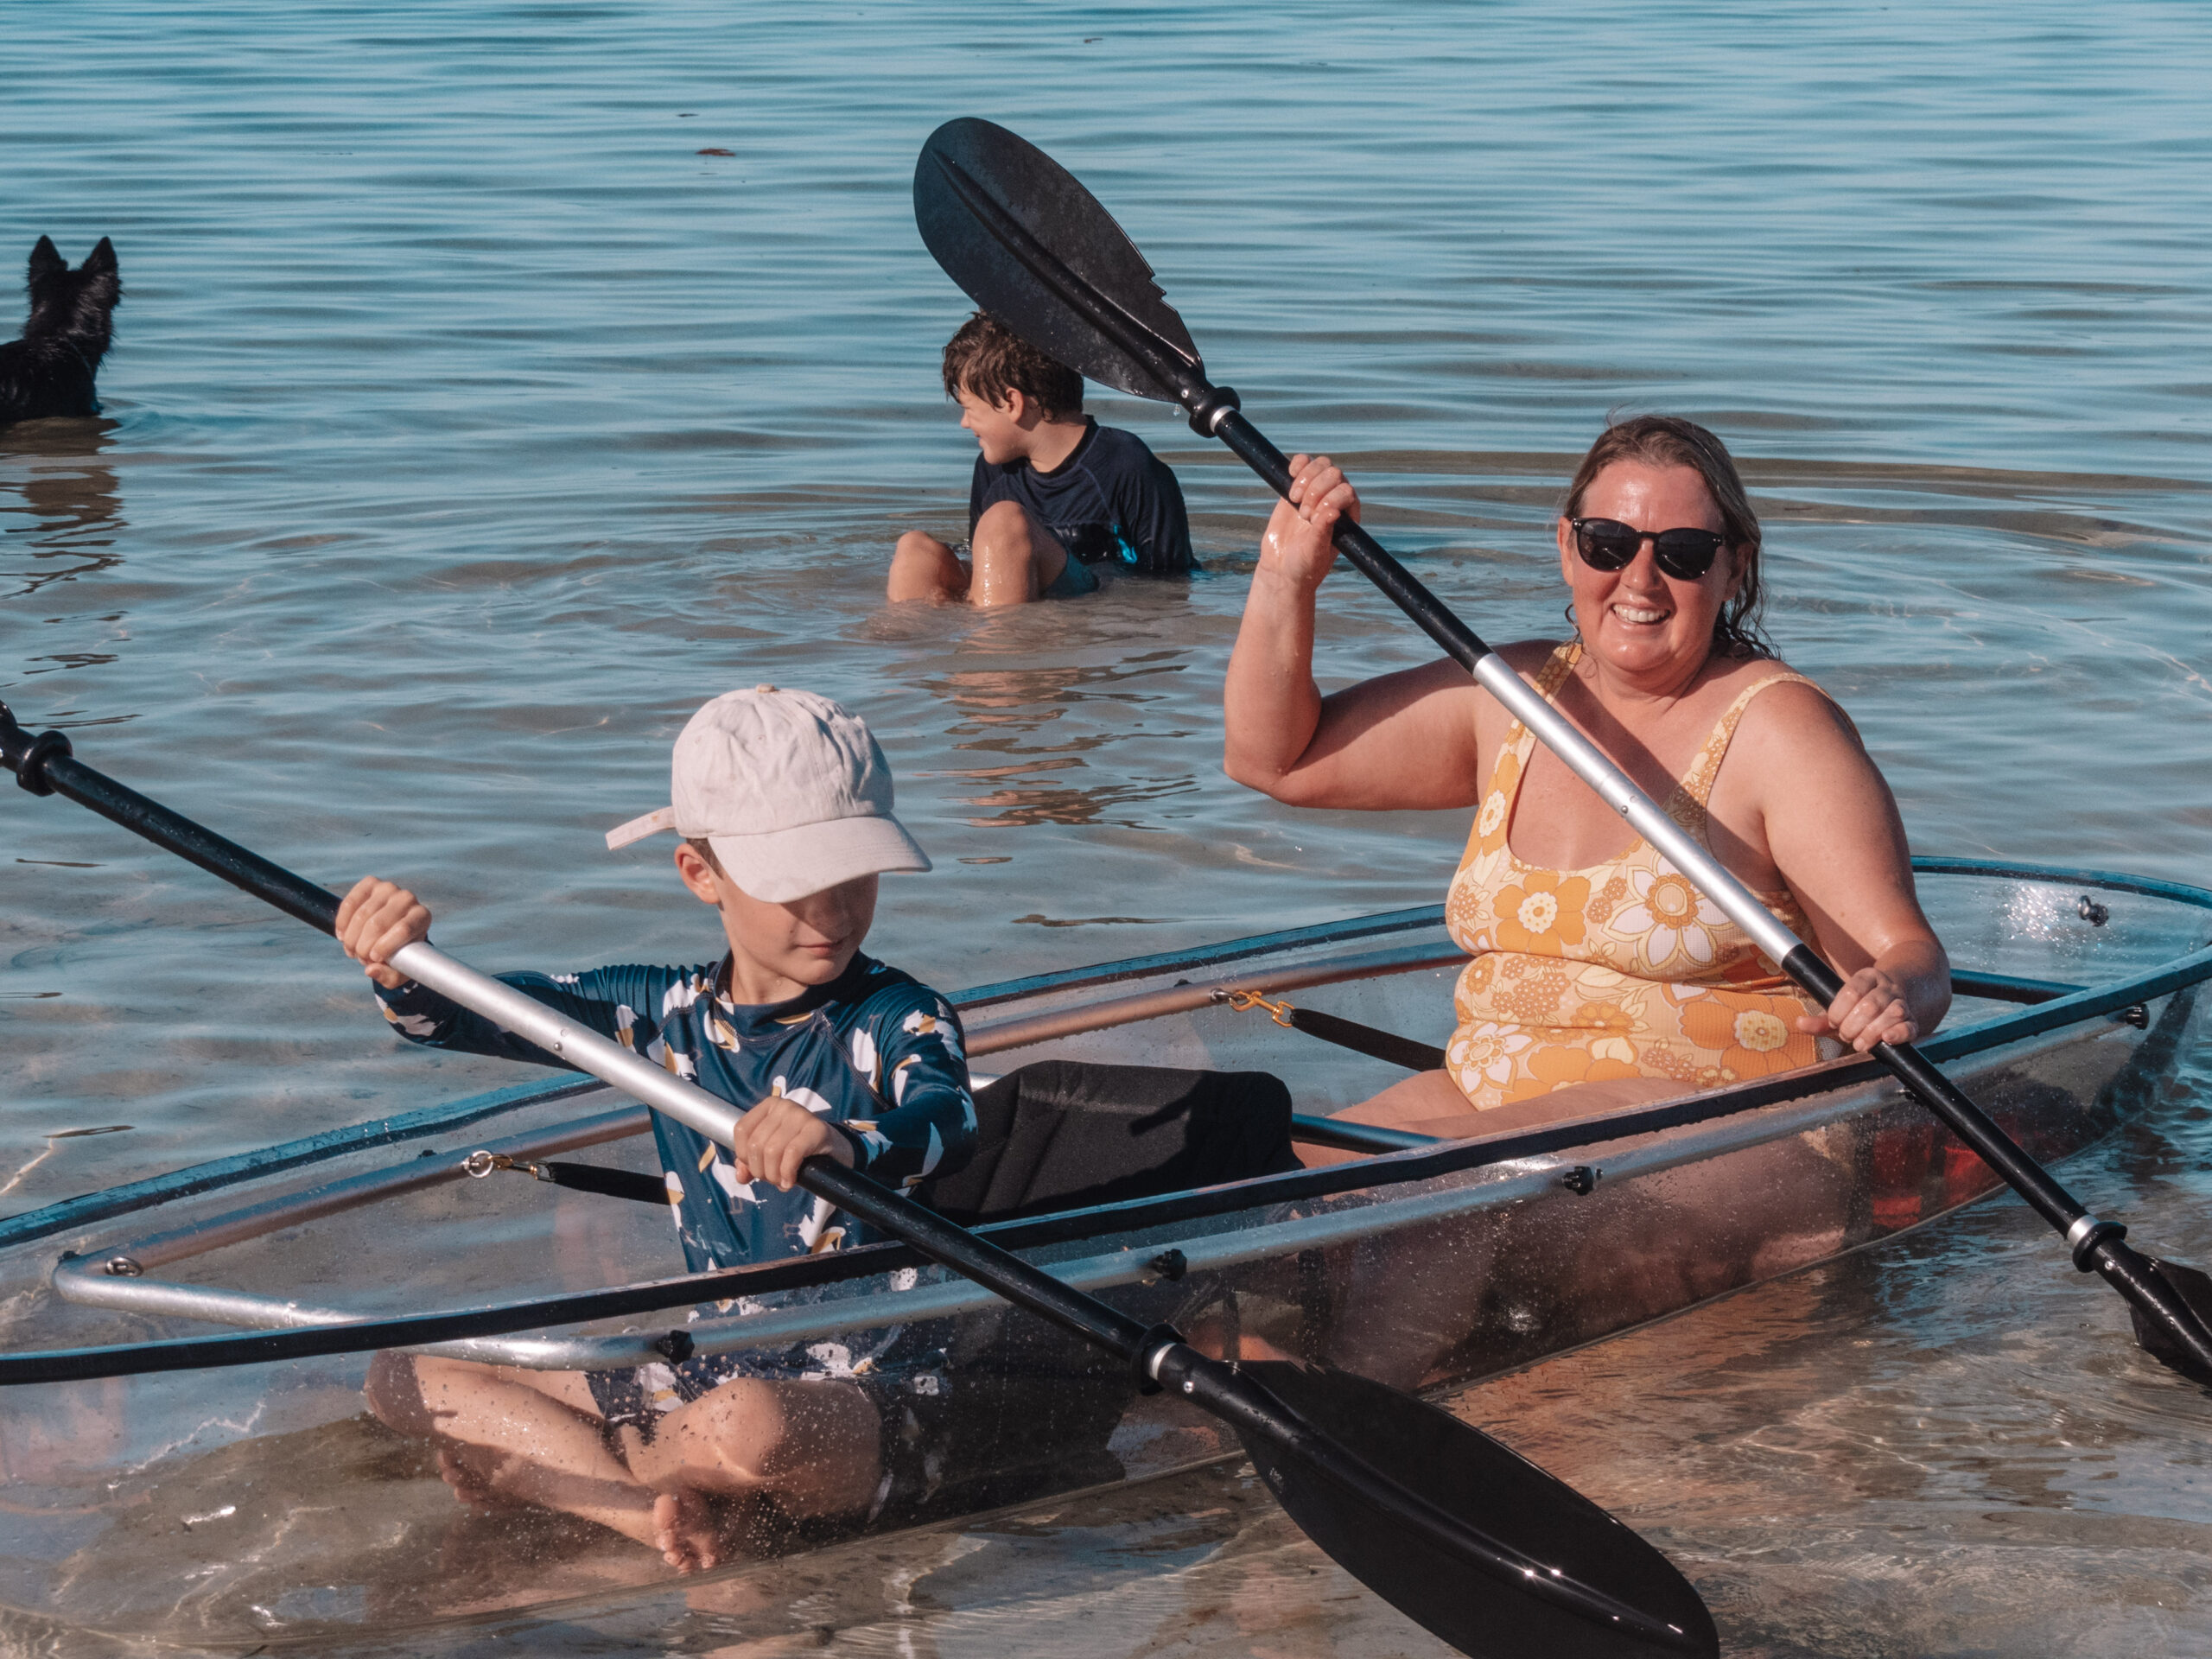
x=791, y=790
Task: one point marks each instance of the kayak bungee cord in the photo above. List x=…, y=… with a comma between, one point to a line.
x=1387, y=1485
x=1023, y=237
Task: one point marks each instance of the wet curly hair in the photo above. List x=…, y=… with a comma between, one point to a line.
x=990, y=359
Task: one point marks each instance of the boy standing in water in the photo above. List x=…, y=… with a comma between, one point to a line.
x=784, y=802
x=1055, y=497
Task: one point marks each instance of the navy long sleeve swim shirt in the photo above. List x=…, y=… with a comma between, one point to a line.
x=876, y=1051
x=1111, y=502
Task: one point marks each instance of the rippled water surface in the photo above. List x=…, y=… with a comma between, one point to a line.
x=473, y=417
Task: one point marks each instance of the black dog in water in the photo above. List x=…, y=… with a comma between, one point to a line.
x=50, y=371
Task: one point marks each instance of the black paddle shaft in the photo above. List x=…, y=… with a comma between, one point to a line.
x=44, y=765
x=1029, y=242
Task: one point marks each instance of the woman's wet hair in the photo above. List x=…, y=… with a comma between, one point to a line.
x=1670, y=440
x=990, y=359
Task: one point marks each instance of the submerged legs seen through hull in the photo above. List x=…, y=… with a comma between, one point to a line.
x=515, y=1436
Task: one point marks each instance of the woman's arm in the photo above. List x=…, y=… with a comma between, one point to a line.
x=1401, y=740
x=1833, y=832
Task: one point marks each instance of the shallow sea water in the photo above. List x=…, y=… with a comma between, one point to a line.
x=468, y=424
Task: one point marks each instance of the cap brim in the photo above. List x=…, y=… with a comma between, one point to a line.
x=788, y=864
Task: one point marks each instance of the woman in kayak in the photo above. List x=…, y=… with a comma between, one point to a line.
x=1599, y=977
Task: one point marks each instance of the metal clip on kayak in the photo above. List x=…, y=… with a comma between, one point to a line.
x=1243, y=1002
x=1335, y=1028
x=480, y=1164
x=577, y=1178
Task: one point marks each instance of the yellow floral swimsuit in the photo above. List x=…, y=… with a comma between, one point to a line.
x=1619, y=970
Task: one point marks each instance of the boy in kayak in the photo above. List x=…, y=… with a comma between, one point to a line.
x=784, y=802
x=1055, y=497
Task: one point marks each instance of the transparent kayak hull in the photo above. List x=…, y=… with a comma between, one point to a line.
x=255, y=1501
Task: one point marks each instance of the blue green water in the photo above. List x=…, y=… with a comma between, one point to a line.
x=469, y=422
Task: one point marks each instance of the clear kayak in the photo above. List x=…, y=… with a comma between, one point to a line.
x=182, y=1431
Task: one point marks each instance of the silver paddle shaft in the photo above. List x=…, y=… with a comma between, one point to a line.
x=579, y=1046
x=1680, y=849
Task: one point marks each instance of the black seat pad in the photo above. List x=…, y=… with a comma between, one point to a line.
x=1064, y=1135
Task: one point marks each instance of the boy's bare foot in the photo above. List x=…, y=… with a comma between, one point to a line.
x=684, y=1531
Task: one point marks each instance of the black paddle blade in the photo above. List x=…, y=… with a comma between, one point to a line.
x=2195, y=1289
x=1474, y=1543
x=1032, y=247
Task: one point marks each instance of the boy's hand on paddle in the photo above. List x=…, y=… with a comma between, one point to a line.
x=777, y=1136
x=1870, y=1008
x=1297, y=543
x=376, y=919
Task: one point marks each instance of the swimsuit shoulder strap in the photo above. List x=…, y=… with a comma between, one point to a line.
x=1520, y=742
x=1697, y=782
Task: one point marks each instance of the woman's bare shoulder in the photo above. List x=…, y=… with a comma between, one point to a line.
x=1529, y=656
x=1787, y=713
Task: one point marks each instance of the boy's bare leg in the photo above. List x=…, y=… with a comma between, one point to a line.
x=816, y=1447
x=922, y=567
x=536, y=1437
x=1016, y=558
x=540, y=1429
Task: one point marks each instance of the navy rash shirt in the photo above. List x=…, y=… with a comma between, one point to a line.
x=1111, y=502
x=876, y=1051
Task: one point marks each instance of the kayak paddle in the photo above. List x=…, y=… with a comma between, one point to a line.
x=1463, y=1535
x=1028, y=244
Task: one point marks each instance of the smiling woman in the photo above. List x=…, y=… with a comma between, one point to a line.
x=1600, y=977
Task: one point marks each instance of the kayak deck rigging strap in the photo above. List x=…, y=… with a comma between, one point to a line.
x=582, y=1177
x=1334, y=1028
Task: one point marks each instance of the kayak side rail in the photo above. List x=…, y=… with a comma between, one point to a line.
x=1354, y=927
x=1024, y=1033
x=1509, y=1182
x=2009, y=988
x=256, y=1221
x=213, y=1176
x=73, y=1213
x=1128, y=1216
x=1209, y=955
x=1182, y=999
x=374, y=1187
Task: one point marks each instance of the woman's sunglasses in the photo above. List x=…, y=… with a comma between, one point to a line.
x=1609, y=545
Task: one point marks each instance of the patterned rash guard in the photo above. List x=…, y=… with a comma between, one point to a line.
x=876, y=1051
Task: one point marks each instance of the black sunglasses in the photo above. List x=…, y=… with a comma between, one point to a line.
x=1609, y=545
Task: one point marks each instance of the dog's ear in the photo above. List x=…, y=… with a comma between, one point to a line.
x=46, y=260
x=101, y=259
